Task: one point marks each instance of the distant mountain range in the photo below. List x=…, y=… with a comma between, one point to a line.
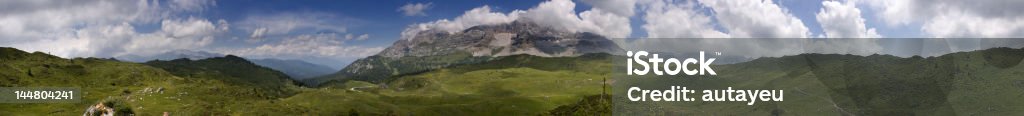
x=518, y=37
x=433, y=49
x=170, y=55
x=297, y=69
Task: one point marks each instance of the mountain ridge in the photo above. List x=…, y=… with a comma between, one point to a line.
x=297, y=69
x=434, y=49
x=232, y=70
x=170, y=55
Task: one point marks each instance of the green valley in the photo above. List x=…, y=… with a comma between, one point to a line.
x=985, y=82
x=513, y=85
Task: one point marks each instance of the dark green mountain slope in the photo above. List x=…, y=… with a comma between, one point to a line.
x=297, y=69
x=508, y=85
x=99, y=79
x=594, y=105
x=233, y=70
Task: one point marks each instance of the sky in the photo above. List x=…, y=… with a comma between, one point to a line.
x=336, y=32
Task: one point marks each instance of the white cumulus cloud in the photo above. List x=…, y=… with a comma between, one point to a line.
x=174, y=34
x=354, y=37
x=669, y=19
x=99, y=28
x=756, y=19
x=955, y=18
x=476, y=16
x=287, y=23
x=416, y=9
x=619, y=7
x=307, y=45
x=753, y=29
x=257, y=34
x=558, y=14
x=843, y=20
x=363, y=37
x=188, y=28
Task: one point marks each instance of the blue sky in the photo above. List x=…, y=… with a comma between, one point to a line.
x=378, y=18
x=336, y=32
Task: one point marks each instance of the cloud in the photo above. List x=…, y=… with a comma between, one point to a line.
x=958, y=21
x=619, y=7
x=287, y=23
x=416, y=9
x=122, y=39
x=257, y=34
x=191, y=27
x=85, y=42
x=222, y=25
x=732, y=47
x=843, y=20
x=558, y=14
x=360, y=37
x=954, y=18
x=755, y=29
x=307, y=45
x=363, y=37
x=957, y=25
x=109, y=29
x=191, y=5
x=47, y=19
x=312, y=36
x=756, y=19
x=667, y=19
x=73, y=28
x=188, y=33
x=477, y=16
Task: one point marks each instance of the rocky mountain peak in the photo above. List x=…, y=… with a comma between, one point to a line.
x=518, y=37
x=434, y=49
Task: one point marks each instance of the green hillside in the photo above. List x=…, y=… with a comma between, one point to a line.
x=377, y=69
x=986, y=82
x=513, y=85
x=142, y=89
x=233, y=70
